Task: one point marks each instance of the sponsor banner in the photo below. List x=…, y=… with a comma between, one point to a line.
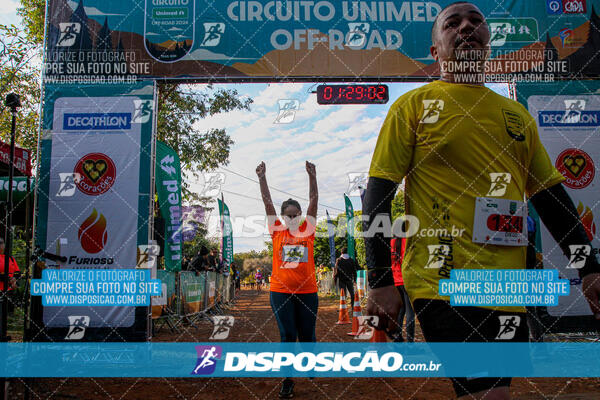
x=268, y=360
x=19, y=188
x=226, y=235
x=568, y=126
x=110, y=41
x=350, y=229
x=168, y=189
x=192, y=291
x=94, y=189
x=168, y=298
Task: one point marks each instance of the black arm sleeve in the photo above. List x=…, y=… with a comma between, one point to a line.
x=378, y=201
x=560, y=216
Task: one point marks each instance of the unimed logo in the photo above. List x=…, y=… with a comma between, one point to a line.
x=96, y=121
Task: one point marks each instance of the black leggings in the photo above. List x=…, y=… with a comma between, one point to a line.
x=296, y=315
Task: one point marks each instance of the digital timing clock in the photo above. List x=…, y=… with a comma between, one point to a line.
x=352, y=94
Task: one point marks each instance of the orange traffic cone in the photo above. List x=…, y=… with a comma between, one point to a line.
x=356, y=312
x=343, y=318
x=378, y=336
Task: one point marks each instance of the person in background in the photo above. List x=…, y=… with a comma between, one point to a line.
x=13, y=273
x=345, y=273
x=259, y=279
x=398, y=247
x=200, y=263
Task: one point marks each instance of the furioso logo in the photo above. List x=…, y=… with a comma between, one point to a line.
x=577, y=167
x=98, y=172
x=92, y=233
x=587, y=219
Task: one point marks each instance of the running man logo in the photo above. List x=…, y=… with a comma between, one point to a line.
x=366, y=324
x=357, y=182
x=287, y=111
x=147, y=255
x=508, y=326
x=212, y=33
x=579, y=254
x=212, y=184
x=143, y=111
x=68, y=183
x=437, y=255
x=222, y=325
x=69, y=31
x=499, y=32
x=77, y=323
x=431, y=111
x=357, y=34
x=207, y=359
x=499, y=183
x=573, y=109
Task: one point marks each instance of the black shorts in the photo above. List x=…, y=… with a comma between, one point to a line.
x=440, y=322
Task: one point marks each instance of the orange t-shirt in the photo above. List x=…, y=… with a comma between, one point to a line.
x=293, y=261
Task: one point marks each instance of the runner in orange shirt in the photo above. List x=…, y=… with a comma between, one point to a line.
x=293, y=282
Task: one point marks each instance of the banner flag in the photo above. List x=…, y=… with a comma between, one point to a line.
x=227, y=233
x=168, y=189
x=350, y=234
x=331, y=234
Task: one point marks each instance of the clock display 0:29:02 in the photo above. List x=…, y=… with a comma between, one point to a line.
x=352, y=94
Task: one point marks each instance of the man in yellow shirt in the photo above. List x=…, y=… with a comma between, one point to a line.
x=460, y=148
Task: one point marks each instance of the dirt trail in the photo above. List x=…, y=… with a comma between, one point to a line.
x=254, y=322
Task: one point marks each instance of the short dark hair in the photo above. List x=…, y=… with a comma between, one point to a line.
x=290, y=202
x=344, y=250
x=440, y=13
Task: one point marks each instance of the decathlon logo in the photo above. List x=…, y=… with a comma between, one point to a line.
x=143, y=111
x=212, y=33
x=68, y=183
x=207, y=359
x=437, y=255
x=77, y=325
x=357, y=182
x=69, y=31
x=97, y=121
x=574, y=114
x=357, y=34
x=222, y=324
x=499, y=183
x=431, y=111
x=508, y=326
x=579, y=254
x=287, y=111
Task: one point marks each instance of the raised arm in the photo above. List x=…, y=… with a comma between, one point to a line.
x=264, y=190
x=313, y=192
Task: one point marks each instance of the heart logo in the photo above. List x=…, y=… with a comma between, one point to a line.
x=575, y=164
x=94, y=169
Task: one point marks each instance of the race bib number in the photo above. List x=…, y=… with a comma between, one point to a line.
x=500, y=221
x=294, y=254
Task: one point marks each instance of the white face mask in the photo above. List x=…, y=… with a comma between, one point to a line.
x=292, y=223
